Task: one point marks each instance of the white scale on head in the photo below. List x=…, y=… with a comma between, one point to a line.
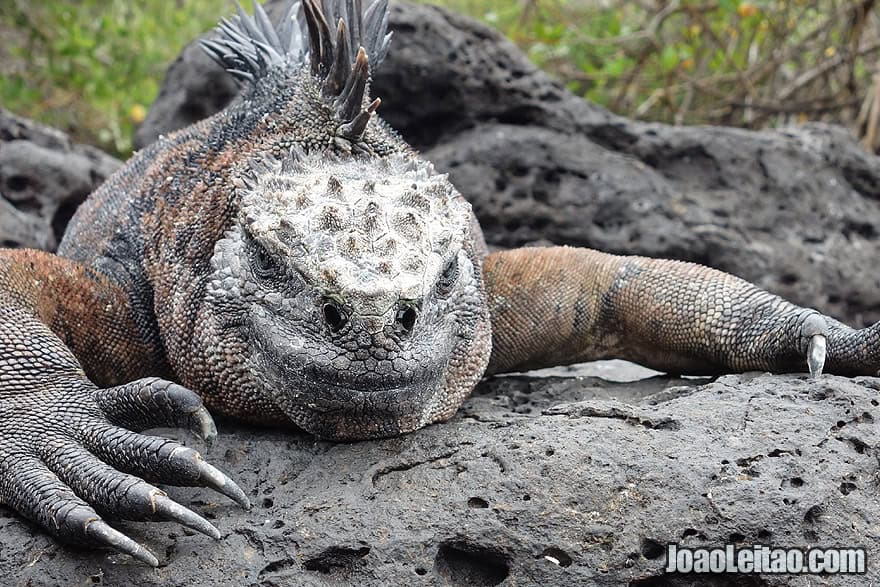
x=370, y=231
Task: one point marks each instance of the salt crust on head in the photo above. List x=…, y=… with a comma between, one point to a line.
x=368, y=231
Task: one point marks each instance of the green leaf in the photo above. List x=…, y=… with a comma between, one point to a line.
x=669, y=58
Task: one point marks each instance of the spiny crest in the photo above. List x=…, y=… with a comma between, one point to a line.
x=382, y=228
x=248, y=46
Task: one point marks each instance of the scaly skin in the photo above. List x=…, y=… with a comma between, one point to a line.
x=292, y=260
x=61, y=436
x=669, y=315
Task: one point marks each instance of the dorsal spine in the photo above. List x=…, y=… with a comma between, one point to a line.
x=249, y=46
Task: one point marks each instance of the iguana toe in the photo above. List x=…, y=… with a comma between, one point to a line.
x=114, y=493
x=160, y=460
x=38, y=493
x=153, y=402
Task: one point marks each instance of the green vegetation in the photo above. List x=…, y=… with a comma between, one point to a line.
x=742, y=63
x=93, y=66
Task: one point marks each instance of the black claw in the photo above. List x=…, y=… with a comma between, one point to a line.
x=103, y=533
x=214, y=478
x=168, y=509
x=203, y=426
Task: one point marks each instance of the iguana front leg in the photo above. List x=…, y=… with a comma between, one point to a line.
x=69, y=451
x=561, y=305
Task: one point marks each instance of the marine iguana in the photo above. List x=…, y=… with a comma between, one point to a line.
x=292, y=260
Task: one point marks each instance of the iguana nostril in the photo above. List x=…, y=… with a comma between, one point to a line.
x=406, y=318
x=334, y=315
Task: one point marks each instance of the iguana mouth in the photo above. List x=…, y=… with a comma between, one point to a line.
x=373, y=382
x=345, y=414
x=330, y=403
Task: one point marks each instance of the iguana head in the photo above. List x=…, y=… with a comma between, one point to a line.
x=363, y=311
x=348, y=291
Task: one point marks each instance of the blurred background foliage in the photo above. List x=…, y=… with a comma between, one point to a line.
x=92, y=67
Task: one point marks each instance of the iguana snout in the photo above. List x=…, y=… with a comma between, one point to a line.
x=347, y=376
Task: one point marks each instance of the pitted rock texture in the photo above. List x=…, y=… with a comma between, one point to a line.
x=551, y=467
x=44, y=176
x=530, y=468
x=796, y=211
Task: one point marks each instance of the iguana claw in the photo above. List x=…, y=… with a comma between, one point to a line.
x=168, y=509
x=212, y=477
x=816, y=354
x=101, y=532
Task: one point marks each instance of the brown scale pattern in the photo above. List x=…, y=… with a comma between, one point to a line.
x=561, y=305
x=88, y=313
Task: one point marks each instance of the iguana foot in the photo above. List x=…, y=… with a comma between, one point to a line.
x=67, y=466
x=152, y=402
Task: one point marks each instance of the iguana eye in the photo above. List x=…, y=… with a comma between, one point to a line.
x=265, y=265
x=448, y=277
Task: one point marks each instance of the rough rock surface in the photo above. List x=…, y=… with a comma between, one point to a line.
x=796, y=211
x=43, y=178
x=530, y=468
x=598, y=476
x=194, y=88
